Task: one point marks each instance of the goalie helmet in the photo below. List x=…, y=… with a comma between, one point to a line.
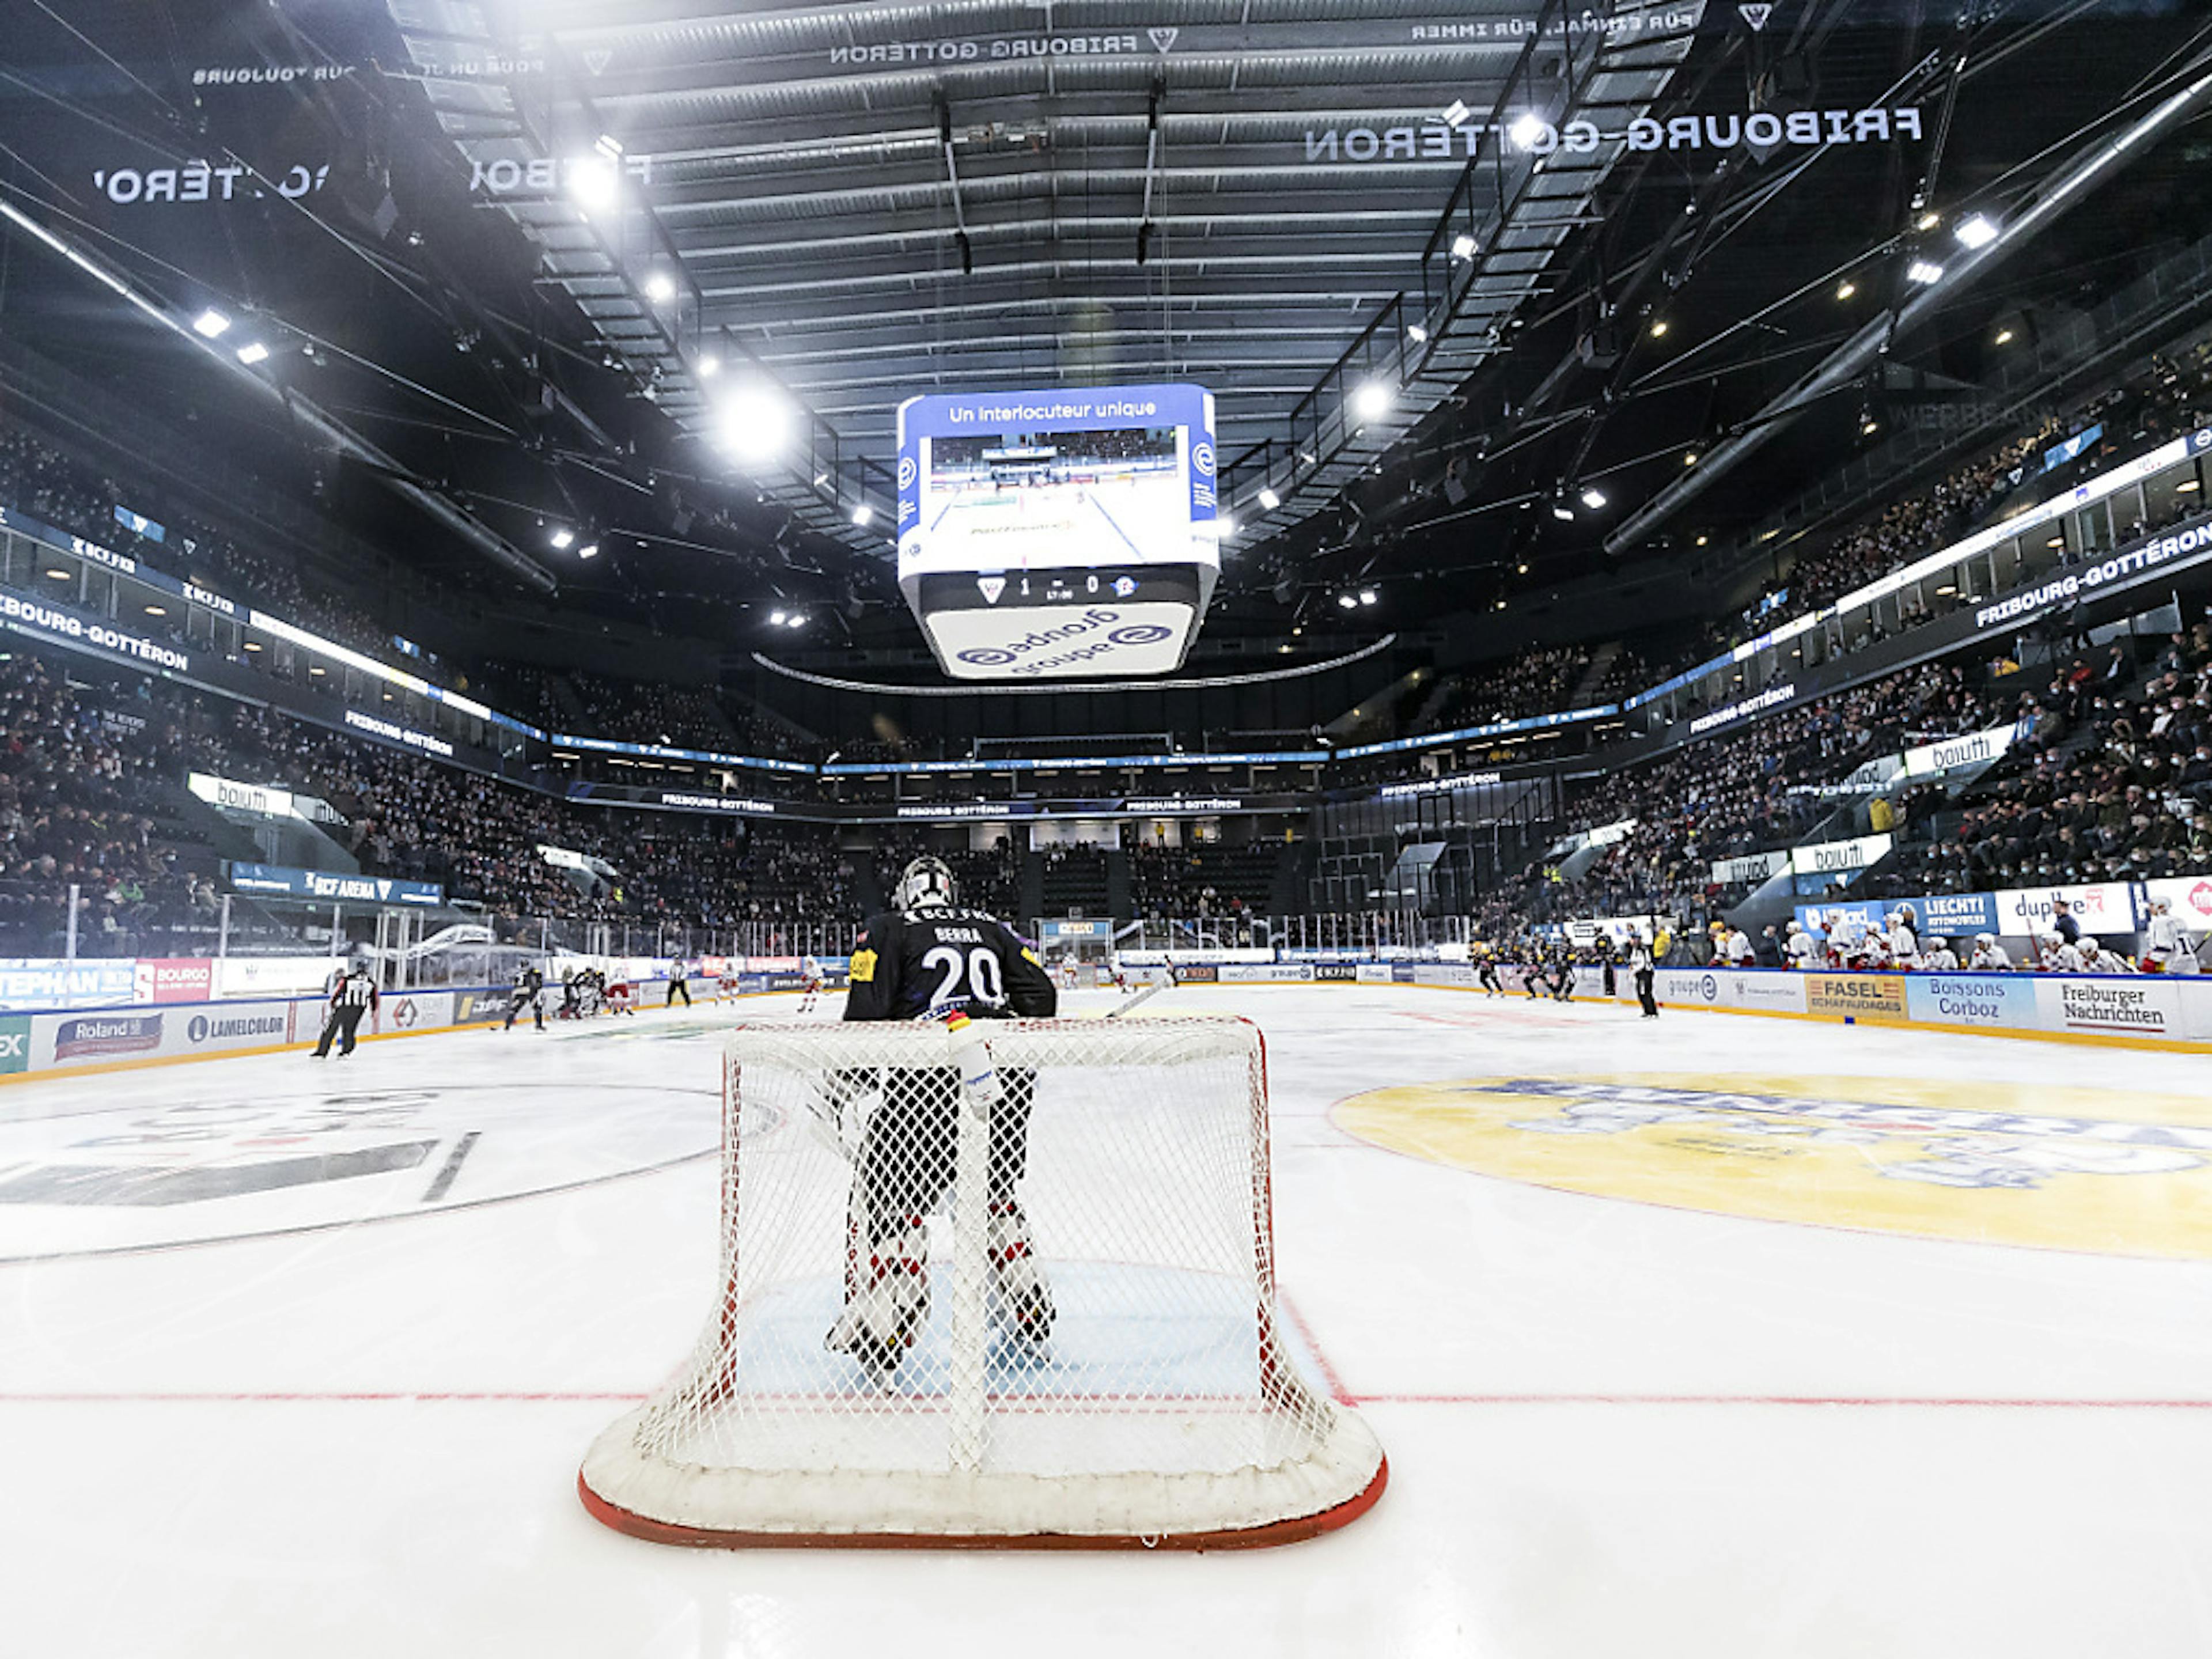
x=924, y=883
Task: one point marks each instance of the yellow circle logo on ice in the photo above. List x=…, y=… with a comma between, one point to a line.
x=2048, y=1167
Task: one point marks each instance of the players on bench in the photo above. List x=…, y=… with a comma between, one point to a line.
x=930, y=958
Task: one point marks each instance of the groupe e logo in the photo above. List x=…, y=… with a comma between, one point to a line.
x=1140, y=633
x=1709, y=988
x=1201, y=457
x=906, y=472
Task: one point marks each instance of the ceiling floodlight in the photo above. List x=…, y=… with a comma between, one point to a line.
x=1928, y=222
x=588, y=550
x=563, y=536
x=1844, y=290
x=210, y=323
x=709, y=366
x=2004, y=336
x=1563, y=513
x=776, y=619
x=863, y=512
x=1417, y=334
x=795, y=620
x=660, y=287
x=1977, y=232
x=1455, y=113
x=1347, y=602
x=754, y=424
x=1370, y=399
x=609, y=146
x=1224, y=527
x=1593, y=498
x=1528, y=131
x=1925, y=273
x=252, y=352
x=1367, y=596
x=1269, y=500
x=1462, y=247
x=594, y=184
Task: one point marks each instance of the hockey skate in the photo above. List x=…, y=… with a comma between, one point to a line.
x=882, y=1318
x=1024, y=1301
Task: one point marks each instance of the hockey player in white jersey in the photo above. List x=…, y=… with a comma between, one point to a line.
x=1989, y=957
x=810, y=980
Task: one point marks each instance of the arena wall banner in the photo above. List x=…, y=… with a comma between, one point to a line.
x=265, y=976
x=1988, y=1001
x=1198, y=973
x=1218, y=955
x=1819, y=920
x=174, y=979
x=1879, y=997
x=1734, y=988
x=1338, y=972
x=50, y=982
x=2105, y=907
x=1954, y=915
x=1375, y=973
x=1830, y=857
x=1751, y=867
x=1266, y=973
x=2145, y=1006
x=2189, y=895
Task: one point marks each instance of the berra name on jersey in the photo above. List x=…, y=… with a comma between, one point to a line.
x=911, y=962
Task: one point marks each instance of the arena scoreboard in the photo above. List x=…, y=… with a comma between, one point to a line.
x=1067, y=534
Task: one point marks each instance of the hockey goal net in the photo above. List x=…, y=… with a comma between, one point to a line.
x=1075, y=1217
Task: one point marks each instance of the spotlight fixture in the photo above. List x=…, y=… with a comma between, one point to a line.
x=1526, y=131
x=1224, y=527
x=709, y=366
x=1521, y=569
x=1868, y=425
x=595, y=184
x=1690, y=458
x=1844, y=290
x=561, y=535
x=1268, y=500
x=1417, y=334
x=252, y=352
x=1346, y=602
x=1462, y=247
x=776, y=619
x=660, y=288
x=1593, y=498
x=2004, y=336
x=863, y=512
x=1927, y=220
x=1367, y=596
x=794, y=620
x=1370, y=399
x=1562, y=512
x=1977, y=232
x=609, y=146
x=1926, y=272
x=1659, y=328
x=210, y=323
x=588, y=550
x=754, y=423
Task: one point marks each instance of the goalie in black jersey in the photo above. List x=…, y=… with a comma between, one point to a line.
x=930, y=958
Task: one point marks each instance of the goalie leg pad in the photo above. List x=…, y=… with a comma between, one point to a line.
x=1024, y=1299
x=890, y=1303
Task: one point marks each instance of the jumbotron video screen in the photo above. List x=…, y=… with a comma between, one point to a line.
x=1059, y=534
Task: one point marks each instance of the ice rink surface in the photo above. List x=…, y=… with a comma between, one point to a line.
x=1713, y=1336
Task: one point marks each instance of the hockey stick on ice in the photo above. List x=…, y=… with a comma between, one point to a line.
x=1142, y=997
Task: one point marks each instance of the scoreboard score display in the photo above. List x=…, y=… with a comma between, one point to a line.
x=1060, y=534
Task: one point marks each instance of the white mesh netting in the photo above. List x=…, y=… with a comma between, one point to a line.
x=1013, y=1282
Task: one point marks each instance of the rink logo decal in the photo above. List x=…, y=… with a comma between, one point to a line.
x=2037, y=1165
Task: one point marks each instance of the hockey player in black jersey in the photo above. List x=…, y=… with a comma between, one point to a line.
x=929, y=956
